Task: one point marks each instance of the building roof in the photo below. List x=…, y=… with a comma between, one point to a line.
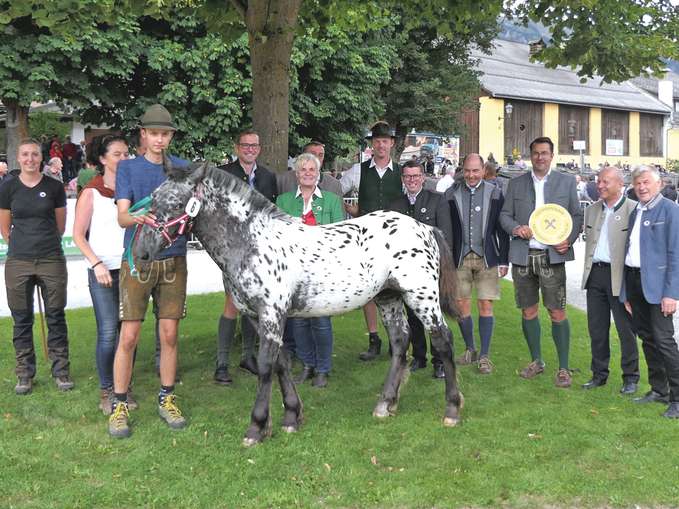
x=650, y=85
x=508, y=73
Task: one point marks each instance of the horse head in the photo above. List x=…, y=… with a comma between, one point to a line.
x=174, y=207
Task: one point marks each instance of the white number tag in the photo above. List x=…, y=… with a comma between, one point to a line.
x=192, y=207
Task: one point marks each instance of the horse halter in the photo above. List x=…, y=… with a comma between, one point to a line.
x=185, y=224
x=185, y=220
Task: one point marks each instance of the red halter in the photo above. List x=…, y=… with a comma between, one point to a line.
x=185, y=220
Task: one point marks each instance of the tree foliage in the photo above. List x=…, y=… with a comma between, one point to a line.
x=47, y=123
x=203, y=81
x=335, y=88
x=613, y=39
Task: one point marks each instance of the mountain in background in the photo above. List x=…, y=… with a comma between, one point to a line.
x=513, y=31
x=516, y=32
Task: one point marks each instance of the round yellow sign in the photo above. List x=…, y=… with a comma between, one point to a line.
x=551, y=224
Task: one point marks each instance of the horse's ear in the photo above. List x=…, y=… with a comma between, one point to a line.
x=168, y=167
x=197, y=171
x=171, y=170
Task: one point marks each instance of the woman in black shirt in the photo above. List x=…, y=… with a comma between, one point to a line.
x=32, y=221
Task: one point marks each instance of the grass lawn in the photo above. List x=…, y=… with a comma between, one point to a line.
x=521, y=444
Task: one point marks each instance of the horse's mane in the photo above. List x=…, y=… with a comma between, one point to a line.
x=223, y=179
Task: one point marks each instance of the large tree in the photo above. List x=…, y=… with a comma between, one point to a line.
x=39, y=63
x=616, y=40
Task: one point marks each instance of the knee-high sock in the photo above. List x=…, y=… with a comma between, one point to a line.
x=486, y=324
x=249, y=337
x=467, y=330
x=225, y=333
x=561, y=333
x=531, y=331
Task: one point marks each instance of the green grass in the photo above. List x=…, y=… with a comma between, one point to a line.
x=521, y=444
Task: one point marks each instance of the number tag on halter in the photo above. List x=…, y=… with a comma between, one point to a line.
x=192, y=207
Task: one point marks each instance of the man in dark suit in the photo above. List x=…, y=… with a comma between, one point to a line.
x=536, y=267
x=430, y=208
x=480, y=250
x=245, y=167
x=650, y=287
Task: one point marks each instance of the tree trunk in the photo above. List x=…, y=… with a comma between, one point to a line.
x=400, y=142
x=271, y=26
x=17, y=129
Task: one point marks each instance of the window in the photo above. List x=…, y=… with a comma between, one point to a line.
x=573, y=126
x=615, y=133
x=650, y=135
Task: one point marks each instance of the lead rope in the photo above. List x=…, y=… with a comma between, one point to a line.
x=138, y=209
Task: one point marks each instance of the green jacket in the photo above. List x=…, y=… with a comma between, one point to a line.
x=327, y=209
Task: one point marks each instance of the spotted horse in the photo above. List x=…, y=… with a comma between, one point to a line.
x=275, y=267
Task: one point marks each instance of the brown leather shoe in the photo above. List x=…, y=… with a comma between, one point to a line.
x=532, y=370
x=485, y=366
x=106, y=401
x=468, y=357
x=563, y=378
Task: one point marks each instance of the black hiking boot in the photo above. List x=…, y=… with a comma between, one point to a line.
x=374, y=348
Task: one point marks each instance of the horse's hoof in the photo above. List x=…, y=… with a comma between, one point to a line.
x=450, y=422
x=381, y=410
x=249, y=442
x=290, y=429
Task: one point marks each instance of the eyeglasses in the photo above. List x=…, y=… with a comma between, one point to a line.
x=411, y=177
x=248, y=145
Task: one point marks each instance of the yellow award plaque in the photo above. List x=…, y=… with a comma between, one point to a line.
x=551, y=224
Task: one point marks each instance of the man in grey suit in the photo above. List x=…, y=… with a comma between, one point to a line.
x=650, y=288
x=606, y=226
x=536, y=267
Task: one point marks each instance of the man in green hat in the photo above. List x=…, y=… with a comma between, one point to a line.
x=378, y=183
x=164, y=277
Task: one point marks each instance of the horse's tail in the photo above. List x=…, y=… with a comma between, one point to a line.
x=447, y=279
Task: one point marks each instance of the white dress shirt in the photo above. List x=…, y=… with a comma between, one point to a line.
x=539, y=186
x=633, y=257
x=602, y=252
x=307, y=206
x=351, y=180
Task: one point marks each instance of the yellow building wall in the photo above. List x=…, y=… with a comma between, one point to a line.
x=491, y=127
x=597, y=146
x=550, y=123
x=491, y=136
x=673, y=144
x=634, y=147
x=595, y=142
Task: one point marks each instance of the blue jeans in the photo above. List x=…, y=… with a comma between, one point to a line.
x=105, y=302
x=313, y=342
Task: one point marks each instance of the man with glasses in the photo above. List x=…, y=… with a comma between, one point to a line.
x=261, y=179
x=430, y=208
x=536, y=267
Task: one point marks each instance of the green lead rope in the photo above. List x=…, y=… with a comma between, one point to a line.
x=139, y=208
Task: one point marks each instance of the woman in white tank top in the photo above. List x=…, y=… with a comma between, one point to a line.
x=97, y=234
